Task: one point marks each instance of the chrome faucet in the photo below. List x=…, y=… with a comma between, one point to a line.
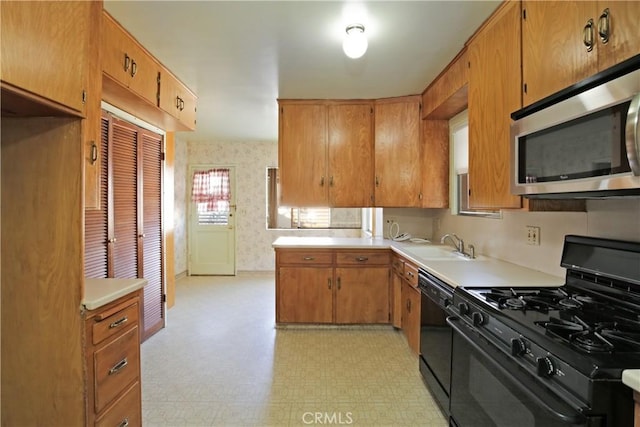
x=458, y=243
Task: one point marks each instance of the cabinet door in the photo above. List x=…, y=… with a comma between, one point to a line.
x=396, y=292
x=44, y=48
x=553, y=52
x=435, y=164
x=398, y=163
x=411, y=316
x=362, y=295
x=177, y=100
x=305, y=295
x=494, y=92
x=624, y=40
x=350, y=131
x=302, y=152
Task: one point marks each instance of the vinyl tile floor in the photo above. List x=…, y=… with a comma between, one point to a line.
x=221, y=361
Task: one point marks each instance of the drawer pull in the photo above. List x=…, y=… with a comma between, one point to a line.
x=118, y=366
x=308, y=258
x=409, y=274
x=362, y=259
x=124, y=423
x=118, y=322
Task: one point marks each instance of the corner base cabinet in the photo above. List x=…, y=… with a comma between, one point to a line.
x=332, y=286
x=113, y=363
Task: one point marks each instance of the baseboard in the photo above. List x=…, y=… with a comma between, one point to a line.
x=181, y=275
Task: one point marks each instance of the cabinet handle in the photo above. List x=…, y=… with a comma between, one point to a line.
x=94, y=152
x=603, y=26
x=409, y=274
x=339, y=284
x=118, y=366
x=587, y=35
x=127, y=62
x=124, y=423
x=409, y=305
x=329, y=281
x=112, y=240
x=362, y=259
x=377, y=181
x=177, y=102
x=308, y=258
x=181, y=104
x=118, y=322
x=134, y=68
x=331, y=181
x=141, y=235
x=322, y=181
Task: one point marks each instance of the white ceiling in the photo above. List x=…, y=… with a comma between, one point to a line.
x=240, y=56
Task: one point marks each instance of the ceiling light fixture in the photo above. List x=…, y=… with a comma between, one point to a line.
x=355, y=43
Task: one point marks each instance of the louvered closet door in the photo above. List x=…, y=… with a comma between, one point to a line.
x=124, y=158
x=152, y=265
x=96, y=221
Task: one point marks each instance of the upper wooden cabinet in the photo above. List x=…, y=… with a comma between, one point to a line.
x=325, y=153
x=45, y=54
x=554, y=37
x=435, y=164
x=127, y=62
x=176, y=99
x=494, y=92
x=446, y=96
x=397, y=152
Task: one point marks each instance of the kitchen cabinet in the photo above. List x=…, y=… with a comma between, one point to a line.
x=304, y=286
x=397, y=152
x=176, y=99
x=636, y=419
x=332, y=286
x=554, y=54
x=435, y=164
x=113, y=362
x=494, y=92
x=325, y=153
x=446, y=96
x=45, y=53
x=411, y=301
x=397, y=265
x=127, y=62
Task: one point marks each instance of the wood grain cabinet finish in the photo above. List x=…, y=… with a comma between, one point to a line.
x=636, y=418
x=325, y=153
x=127, y=62
x=446, y=96
x=45, y=51
x=494, y=92
x=332, y=286
x=435, y=163
x=411, y=301
x=176, y=99
x=554, y=54
x=397, y=152
x=113, y=362
x=397, y=279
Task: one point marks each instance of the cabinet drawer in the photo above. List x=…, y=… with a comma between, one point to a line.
x=125, y=412
x=380, y=257
x=115, y=323
x=305, y=257
x=397, y=264
x=116, y=365
x=411, y=274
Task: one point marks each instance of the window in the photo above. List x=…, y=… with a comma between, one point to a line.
x=459, y=172
x=210, y=191
x=306, y=218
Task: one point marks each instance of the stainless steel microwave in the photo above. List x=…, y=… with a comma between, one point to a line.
x=584, y=146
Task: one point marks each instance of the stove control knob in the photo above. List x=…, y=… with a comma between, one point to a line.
x=478, y=318
x=518, y=347
x=463, y=308
x=546, y=368
x=446, y=302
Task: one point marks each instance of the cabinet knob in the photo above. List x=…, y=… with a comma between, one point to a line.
x=118, y=366
x=124, y=423
x=587, y=35
x=134, y=68
x=603, y=26
x=322, y=181
x=94, y=152
x=362, y=259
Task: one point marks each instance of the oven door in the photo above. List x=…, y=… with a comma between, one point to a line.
x=487, y=389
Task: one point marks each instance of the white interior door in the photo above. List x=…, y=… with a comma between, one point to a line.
x=212, y=229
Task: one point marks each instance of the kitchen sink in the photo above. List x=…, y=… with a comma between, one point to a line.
x=436, y=253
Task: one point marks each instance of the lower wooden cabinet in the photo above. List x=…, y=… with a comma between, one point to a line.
x=636, y=422
x=113, y=363
x=332, y=286
x=411, y=315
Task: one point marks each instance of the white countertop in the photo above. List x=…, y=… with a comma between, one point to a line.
x=631, y=377
x=98, y=292
x=456, y=271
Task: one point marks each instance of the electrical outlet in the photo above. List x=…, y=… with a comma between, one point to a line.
x=533, y=235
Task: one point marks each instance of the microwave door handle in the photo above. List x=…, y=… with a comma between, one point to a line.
x=576, y=418
x=632, y=138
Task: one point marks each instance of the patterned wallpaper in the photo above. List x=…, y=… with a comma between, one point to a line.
x=251, y=160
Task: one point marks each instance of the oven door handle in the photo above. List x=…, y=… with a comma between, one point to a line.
x=570, y=418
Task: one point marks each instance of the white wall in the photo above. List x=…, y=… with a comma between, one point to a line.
x=253, y=240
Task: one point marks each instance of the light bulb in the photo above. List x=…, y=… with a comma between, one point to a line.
x=355, y=43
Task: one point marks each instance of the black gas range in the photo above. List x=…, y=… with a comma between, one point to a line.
x=551, y=356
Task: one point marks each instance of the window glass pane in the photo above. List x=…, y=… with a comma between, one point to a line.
x=218, y=216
